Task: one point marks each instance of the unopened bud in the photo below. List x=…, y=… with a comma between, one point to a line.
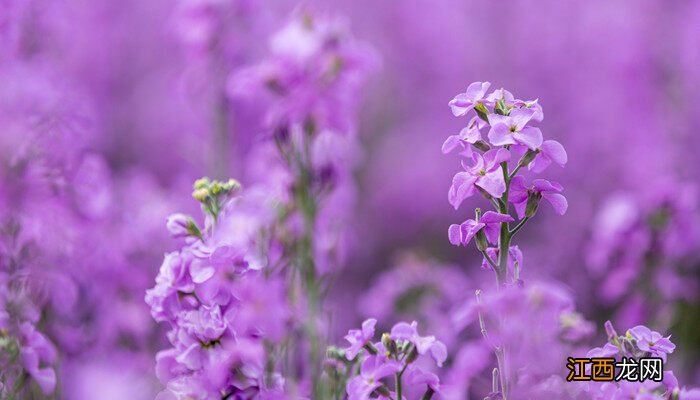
x=528, y=157
x=482, y=111
x=481, y=243
x=533, y=202
x=482, y=145
x=181, y=225
x=335, y=353
x=412, y=355
x=201, y=183
x=384, y=391
x=389, y=344
x=500, y=108
x=676, y=394
x=200, y=194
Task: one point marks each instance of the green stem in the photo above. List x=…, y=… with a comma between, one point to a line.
x=307, y=206
x=518, y=226
x=399, y=385
x=489, y=260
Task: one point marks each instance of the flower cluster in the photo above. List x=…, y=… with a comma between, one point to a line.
x=212, y=293
x=505, y=320
x=492, y=166
x=643, y=251
x=312, y=76
x=636, y=343
x=399, y=354
x=308, y=86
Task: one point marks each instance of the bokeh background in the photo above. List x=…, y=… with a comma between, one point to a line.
x=127, y=103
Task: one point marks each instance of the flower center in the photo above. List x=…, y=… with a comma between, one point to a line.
x=513, y=129
x=482, y=172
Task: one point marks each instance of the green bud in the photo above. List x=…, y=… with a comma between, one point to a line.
x=412, y=356
x=200, y=194
x=389, y=344
x=533, y=202
x=335, y=353
x=481, y=242
x=201, y=183
x=383, y=391
x=528, y=157
x=482, y=145
x=482, y=111
x=676, y=394
x=501, y=108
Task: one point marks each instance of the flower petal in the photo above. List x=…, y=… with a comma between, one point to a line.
x=529, y=136
x=557, y=201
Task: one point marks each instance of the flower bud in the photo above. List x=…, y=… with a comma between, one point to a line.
x=481, y=243
x=335, y=353
x=200, y=194
x=482, y=111
x=181, y=225
x=482, y=145
x=528, y=157
x=412, y=355
x=533, y=201
x=389, y=344
x=384, y=391
x=500, y=108
x=676, y=394
x=201, y=183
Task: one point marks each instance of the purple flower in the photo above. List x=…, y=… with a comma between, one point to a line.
x=651, y=341
x=424, y=344
x=463, y=102
x=485, y=173
x=417, y=376
x=512, y=129
x=515, y=255
x=489, y=222
x=468, y=135
x=36, y=353
x=501, y=95
x=373, y=369
x=541, y=188
x=534, y=105
x=358, y=338
x=550, y=151
x=178, y=224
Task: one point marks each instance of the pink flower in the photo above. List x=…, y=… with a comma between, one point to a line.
x=485, y=173
x=513, y=129
x=463, y=102
x=490, y=222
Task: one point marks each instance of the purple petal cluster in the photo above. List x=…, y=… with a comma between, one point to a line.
x=399, y=354
x=638, y=342
x=212, y=294
x=651, y=239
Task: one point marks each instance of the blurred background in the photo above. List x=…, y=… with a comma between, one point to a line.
x=126, y=104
